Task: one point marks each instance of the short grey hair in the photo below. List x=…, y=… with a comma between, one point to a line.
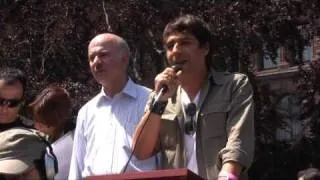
x=123, y=45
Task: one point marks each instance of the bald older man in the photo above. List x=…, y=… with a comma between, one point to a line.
x=105, y=124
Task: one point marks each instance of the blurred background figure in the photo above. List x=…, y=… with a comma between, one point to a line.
x=26, y=155
x=12, y=90
x=51, y=111
x=309, y=174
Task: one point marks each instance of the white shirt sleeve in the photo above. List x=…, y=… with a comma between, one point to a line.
x=79, y=150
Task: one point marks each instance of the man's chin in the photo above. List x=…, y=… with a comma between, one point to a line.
x=98, y=73
x=6, y=121
x=101, y=81
x=100, y=76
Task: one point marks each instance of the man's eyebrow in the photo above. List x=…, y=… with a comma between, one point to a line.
x=186, y=38
x=97, y=52
x=179, y=39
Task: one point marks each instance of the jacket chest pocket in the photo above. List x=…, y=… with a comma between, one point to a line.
x=169, y=134
x=213, y=119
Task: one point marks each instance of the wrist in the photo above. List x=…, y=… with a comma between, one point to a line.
x=225, y=175
x=158, y=107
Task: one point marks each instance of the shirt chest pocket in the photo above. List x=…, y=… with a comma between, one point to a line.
x=169, y=133
x=213, y=119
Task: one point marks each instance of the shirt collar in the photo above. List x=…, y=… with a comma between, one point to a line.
x=129, y=90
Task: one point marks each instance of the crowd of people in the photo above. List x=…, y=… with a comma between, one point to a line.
x=195, y=117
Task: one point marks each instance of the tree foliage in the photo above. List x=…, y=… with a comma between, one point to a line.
x=48, y=40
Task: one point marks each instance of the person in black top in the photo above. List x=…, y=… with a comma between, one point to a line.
x=12, y=90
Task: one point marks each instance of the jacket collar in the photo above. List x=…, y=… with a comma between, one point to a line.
x=218, y=78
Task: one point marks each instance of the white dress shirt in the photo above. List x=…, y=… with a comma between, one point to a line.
x=104, y=130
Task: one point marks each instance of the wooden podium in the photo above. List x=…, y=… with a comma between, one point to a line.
x=170, y=174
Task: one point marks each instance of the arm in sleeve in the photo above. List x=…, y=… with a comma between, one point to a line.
x=78, y=150
x=240, y=125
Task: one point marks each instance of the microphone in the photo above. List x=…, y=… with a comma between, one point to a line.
x=164, y=88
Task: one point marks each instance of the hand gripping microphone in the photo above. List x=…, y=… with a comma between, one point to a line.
x=164, y=88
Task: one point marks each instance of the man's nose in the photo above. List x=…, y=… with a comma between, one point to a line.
x=176, y=48
x=96, y=60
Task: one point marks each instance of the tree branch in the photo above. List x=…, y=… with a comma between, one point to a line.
x=107, y=16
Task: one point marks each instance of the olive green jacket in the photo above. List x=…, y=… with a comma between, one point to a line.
x=225, y=126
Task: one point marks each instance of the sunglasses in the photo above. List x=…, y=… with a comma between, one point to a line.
x=11, y=103
x=190, y=124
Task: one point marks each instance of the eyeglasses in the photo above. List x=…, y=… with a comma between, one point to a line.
x=190, y=124
x=11, y=103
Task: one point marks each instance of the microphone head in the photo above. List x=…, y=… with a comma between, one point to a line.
x=177, y=67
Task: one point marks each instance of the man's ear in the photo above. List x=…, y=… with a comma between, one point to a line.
x=206, y=48
x=125, y=60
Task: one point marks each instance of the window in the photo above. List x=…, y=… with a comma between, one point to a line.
x=307, y=53
x=268, y=63
x=289, y=109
